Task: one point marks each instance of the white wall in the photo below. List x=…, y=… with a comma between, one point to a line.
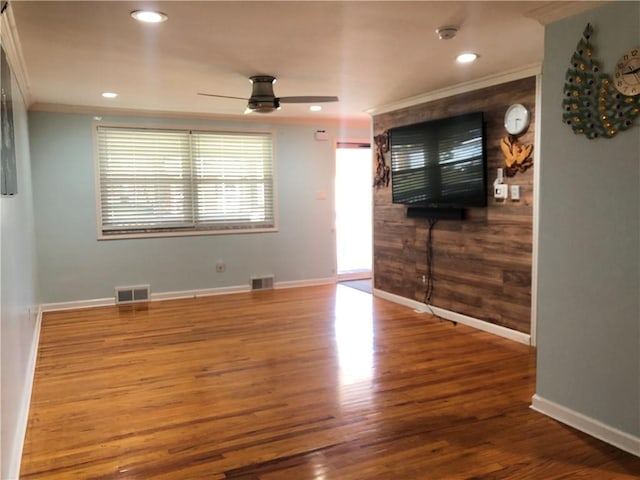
x=73, y=265
x=18, y=299
x=589, y=251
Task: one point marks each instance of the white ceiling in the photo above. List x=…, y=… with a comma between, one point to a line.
x=369, y=54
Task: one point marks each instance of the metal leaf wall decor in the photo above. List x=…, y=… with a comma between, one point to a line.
x=592, y=106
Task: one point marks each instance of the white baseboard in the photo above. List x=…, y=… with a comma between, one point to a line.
x=617, y=438
x=407, y=302
x=74, y=305
x=312, y=282
x=345, y=277
x=204, y=292
x=499, y=330
x=13, y=470
x=509, y=333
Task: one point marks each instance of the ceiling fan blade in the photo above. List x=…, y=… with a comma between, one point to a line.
x=307, y=99
x=222, y=96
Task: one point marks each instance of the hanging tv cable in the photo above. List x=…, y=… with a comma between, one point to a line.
x=429, y=275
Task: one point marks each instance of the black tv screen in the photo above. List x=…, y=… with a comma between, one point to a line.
x=440, y=163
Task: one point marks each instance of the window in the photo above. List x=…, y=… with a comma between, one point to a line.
x=154, y=181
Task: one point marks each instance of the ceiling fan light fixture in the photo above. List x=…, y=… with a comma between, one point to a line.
x=109, y=94
x=315, y=108
x=149, y=16
x=466, y=57
x=263, y=109
x=263, y=106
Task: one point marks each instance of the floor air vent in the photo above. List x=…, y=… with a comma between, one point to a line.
x=262, y=283
x=139, y=293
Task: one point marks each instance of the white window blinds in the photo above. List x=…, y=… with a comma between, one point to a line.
x=234, y=181
x=154, y=181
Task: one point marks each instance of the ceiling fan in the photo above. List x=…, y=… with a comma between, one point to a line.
x=263, y=100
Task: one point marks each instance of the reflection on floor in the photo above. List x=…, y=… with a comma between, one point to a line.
x=354, y=334
x=363, y=285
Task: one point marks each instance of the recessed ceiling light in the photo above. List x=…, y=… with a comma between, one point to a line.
x=109, y=94
x=315, y=108
x=466, y=57
x=149, y=16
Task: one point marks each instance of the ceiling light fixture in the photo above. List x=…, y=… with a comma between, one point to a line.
x=149, y=16
x=466, y=57
x=315, y=108
x=109, y=94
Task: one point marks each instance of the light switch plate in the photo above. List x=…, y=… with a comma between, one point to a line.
x=515, y=193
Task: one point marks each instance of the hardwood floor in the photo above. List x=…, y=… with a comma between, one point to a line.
x=309, y=383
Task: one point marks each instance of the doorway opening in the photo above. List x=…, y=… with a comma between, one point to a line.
x=354, y=211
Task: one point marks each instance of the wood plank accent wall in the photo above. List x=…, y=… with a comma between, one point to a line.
x=481, y=265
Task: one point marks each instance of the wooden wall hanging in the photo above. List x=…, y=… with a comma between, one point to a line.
x=592, y=105
x=383, y=172
x=517, y=157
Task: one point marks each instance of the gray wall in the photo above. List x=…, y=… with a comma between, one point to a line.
x=589, y=250
x=18, y=297
x=73, y=265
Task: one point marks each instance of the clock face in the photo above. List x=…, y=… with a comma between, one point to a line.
x=627, y=74
x=516, y=120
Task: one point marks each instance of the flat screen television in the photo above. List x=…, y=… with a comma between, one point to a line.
x=440, y=164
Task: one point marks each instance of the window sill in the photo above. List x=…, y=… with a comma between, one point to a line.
x=185, y=233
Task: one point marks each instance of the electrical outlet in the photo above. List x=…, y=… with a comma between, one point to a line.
x=220, y=266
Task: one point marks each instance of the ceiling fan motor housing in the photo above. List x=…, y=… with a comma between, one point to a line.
x=263, y=100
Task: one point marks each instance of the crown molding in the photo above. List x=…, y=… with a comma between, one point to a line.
x=490, y=81
x=553, y=11
x=12, y=47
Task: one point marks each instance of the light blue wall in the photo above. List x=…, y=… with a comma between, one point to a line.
x=589, y=252
x=73, y=265
x=17, y=297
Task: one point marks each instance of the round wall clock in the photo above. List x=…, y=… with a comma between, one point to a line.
x=517, y=119
x=627, y=74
